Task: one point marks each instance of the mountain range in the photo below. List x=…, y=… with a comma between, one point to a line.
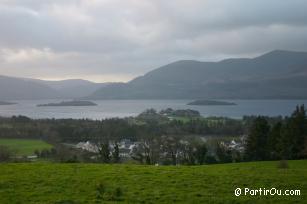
x=275, y=75
x=12, y=88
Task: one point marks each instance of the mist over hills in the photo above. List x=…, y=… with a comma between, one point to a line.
x=275, y=75
x=73, y=88
x=13, y=88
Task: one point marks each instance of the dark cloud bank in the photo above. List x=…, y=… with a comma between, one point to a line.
x=114, y=40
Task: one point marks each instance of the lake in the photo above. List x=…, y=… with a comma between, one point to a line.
x=124, y=108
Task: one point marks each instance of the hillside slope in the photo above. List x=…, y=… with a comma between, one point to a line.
x=277, y=74
x=16, y=88
x=13, y=88
x=73, y=88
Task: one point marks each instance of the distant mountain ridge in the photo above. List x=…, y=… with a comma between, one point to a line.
x=73, y=88
x=275, y=75
x=13, y=88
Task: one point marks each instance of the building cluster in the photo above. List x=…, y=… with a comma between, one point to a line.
x=125, y=146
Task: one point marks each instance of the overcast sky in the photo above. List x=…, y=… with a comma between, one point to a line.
x=116, y=40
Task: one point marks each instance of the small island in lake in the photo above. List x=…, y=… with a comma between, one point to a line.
x=70, y=103
x=211, y=103
x=6, y=103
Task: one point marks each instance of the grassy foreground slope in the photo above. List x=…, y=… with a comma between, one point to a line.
x=95, y=183
x=25, y=146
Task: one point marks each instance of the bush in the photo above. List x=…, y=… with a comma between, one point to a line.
x=100, y=191
x=118, y=193
x=283, y=164
x=209, y=159
x=5, y=154
x=108, y=194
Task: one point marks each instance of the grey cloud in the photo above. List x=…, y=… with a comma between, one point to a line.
x=114, y=37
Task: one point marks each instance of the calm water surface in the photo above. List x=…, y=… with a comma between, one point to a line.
x=124, y=108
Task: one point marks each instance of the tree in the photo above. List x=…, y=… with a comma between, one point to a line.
x=293, y=135
x=274, y=144
x=201, y=151
x=171, y=148
x=137, y=154
x=115, y=153
x=104, y=152
x=223, y=154
x=187, y=152
x=285, y=144
x=45, y=153
x=37, y=153
x=256, y=143
x=298, y=125
x=305, y=149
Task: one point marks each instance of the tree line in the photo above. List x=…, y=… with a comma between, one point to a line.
x=134, y=128
x=285, y=138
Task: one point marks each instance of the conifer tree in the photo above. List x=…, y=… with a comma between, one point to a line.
x=256, y=143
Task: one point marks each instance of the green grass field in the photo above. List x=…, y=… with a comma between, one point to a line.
x=25, y=146
x=97, y=183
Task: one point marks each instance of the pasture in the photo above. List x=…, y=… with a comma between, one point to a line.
x=25, y=146
x=110, y=183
